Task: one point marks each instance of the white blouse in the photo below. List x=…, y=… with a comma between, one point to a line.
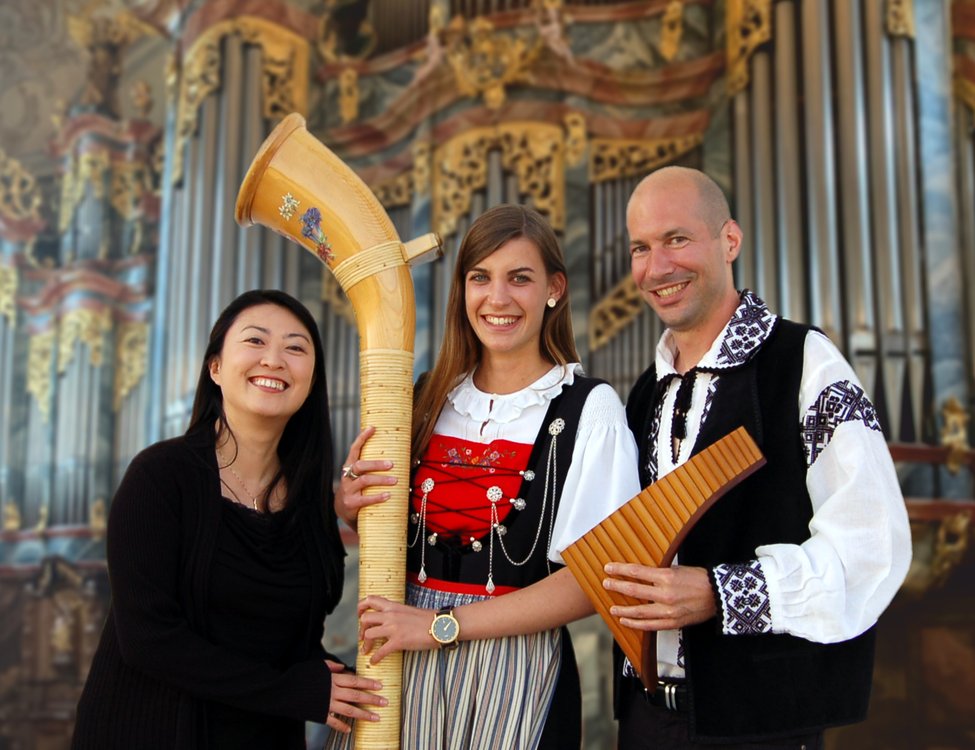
x=603, y=473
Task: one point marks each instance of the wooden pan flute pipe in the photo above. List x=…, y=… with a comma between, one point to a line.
x=649, y=530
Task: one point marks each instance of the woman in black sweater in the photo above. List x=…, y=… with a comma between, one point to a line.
x=224, y=557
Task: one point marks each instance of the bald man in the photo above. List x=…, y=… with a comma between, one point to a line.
x=766, y=620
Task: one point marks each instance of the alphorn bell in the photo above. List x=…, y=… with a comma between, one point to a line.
x=300, y=189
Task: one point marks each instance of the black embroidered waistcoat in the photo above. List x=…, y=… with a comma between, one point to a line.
x=758, y=686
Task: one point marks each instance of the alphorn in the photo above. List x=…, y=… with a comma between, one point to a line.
x=650, y=527
x=300, y=189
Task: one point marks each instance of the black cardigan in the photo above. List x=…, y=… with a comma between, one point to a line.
x=154, y=670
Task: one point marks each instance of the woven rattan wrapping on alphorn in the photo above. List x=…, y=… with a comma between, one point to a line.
x=300, y=189
x=649, y=529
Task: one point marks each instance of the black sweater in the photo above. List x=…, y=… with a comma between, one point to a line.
x=154, y=670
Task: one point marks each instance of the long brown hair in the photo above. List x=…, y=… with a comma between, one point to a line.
x=461, y=349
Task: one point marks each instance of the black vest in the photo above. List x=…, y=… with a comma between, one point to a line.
x=758, y=686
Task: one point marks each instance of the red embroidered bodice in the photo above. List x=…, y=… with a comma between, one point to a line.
x=463, y=474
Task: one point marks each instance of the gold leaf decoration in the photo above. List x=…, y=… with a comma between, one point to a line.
x=671, y=29
x=749, y=27
x=485, y=62
x=20, y=197
x=284, y=74
x=8, y=294
x=900, y=18
x=397, y=191
x=131, y=358
x=575, y=138
x=85, y=169
x=11, y=516
x=87, y=326
x=534, y=152
x=613, y=158
x=40, y=357
x=348, y=95
x=614, y=312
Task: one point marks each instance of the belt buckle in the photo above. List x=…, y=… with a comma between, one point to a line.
x=670, y=694
x=665, y=695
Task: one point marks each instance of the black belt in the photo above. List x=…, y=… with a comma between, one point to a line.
x=669, y=695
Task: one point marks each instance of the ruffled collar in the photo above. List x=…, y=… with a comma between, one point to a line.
x=737, y=343
x=469, y=401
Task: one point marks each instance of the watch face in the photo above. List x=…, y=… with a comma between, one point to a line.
x=444, y=628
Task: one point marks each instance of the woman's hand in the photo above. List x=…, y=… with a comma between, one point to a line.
x=357, y=475
x=348, y=694
x=405, y=628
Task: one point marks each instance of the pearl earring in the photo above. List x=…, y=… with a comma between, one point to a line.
x=551, y=301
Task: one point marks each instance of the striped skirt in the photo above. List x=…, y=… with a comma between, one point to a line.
x=491, y=694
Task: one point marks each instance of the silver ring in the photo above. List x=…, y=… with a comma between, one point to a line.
x=333, y=715
x=347, y=471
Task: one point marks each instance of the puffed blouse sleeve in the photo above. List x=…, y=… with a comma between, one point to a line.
x=603, y=473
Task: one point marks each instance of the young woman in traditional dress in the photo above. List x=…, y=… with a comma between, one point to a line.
x=516, y=454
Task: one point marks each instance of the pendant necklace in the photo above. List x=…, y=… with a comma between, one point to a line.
x=239, y=479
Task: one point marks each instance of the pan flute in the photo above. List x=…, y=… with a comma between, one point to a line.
x=650, y=528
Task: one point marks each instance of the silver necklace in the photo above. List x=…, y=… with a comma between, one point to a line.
x=239, y=478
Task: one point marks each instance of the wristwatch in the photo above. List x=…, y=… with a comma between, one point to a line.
x=445, y=629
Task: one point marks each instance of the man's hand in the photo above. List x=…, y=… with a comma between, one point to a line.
x=675, y=597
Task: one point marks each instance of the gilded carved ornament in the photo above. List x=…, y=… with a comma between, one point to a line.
x=534, y=152
x=140, y=94
x=284, y=74
x=43, y=516
x=575, y=138
x=900, y=18
x=97, y=518
x=20, y=197
x=614, y=312
x=11, y=516
x=105, y=39
x=950, y=544
x=131, y=181
x=614, y=158
x=954, y=434
x=485, y=62
x=131, y=358
x=85, y=169
x=551, y=28
x=422, y=156
x=88, y=327
x=348, y=95
x=433, y=52
x=355, y=44
x=749, y=25
x=671, y=30
x=8, y=294
x=397, y=191
x=40, y=357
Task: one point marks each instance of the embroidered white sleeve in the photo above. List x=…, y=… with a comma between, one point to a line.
x=836, y=584
x=744, y=598
x=603, y=474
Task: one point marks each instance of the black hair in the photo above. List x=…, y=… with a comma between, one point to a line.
x=305, y=448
